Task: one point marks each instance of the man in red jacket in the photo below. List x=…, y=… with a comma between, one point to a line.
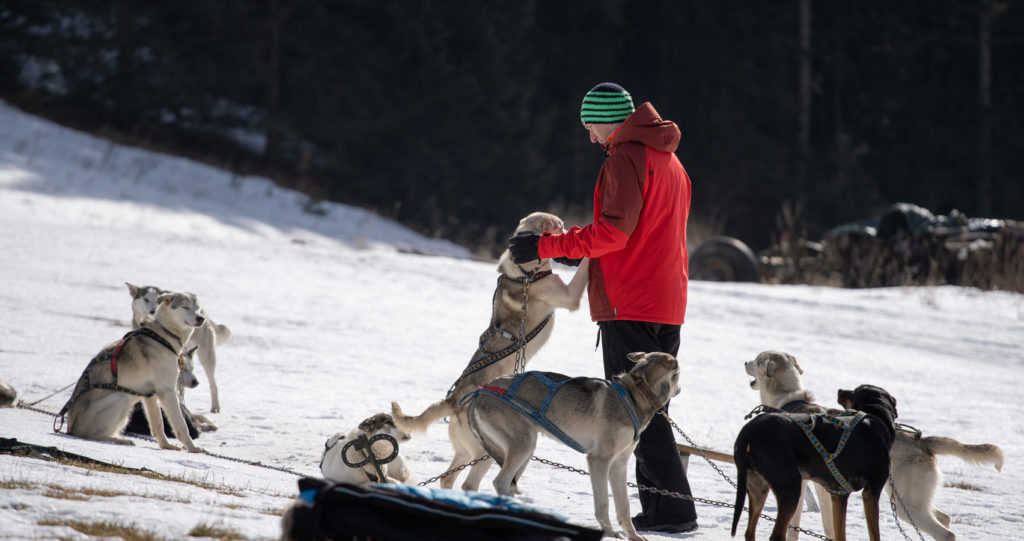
x=638, y=270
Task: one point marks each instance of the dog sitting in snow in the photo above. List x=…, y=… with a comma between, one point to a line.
x=142, y=366
x=355, y=448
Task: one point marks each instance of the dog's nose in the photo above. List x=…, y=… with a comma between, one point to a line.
x=200, y=320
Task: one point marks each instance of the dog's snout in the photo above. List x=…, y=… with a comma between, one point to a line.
x=200, y=320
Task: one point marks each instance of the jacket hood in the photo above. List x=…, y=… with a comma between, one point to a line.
x=646, y=126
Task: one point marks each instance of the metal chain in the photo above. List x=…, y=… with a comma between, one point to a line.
x=699, y=450
x=520, y=364
x=51, y=395
x=29, y=406
x=678, y=495
x=454, y=470
x=892, y=504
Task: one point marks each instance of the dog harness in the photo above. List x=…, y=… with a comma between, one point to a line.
x=363, y=446
x=538, y=412
x=111, y=356
x=806, y=421
x=492, y=358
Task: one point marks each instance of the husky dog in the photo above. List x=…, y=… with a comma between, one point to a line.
x=914, y=470
x=496, y=355
x=205, y=338
x=602, y=418
x=196, y=423
x=141, y=366
x=778, y=451
x=334, y=468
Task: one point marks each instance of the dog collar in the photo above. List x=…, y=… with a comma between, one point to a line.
x=648, y=392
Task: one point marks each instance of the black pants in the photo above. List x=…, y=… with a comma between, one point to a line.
x=657, y=457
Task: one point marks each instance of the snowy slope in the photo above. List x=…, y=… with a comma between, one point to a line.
x=332, y=318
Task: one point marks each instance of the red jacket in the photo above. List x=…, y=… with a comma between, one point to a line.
x=637, y=242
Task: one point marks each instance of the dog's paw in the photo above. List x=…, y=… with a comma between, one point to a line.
x=170, y=446
x=196, y=449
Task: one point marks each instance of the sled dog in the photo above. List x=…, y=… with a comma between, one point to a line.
x=396, y=471
x=497, y=353
x=598, y=417
x=196, y=423
x=915, y=470
x=142, y=366
x=846, y=453
x=205, y=338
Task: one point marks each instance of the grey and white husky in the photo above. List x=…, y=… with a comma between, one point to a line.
x=601, y=418
x=205, y=339
x=545, y=292
x=142, y=366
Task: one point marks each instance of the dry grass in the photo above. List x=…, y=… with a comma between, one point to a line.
x=105, y=529
x=215, y=531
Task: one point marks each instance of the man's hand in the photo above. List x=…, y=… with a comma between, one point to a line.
x=569, y=261
x=523, y=247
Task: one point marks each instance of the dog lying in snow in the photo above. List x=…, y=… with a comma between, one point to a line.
x=346, y=446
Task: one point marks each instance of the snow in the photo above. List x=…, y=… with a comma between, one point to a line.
x=335, y=316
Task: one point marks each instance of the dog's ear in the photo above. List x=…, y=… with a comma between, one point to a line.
x=636, y=356
x=164, y=297
x=191, y=352
x=845, y=398
x=769, y=368
x=792, y=359
x=133, y=289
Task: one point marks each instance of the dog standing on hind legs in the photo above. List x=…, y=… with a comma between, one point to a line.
x=141, y=366
x=205, y=338
x=498, y=353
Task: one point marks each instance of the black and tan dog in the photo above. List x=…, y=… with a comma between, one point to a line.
x=776, y=451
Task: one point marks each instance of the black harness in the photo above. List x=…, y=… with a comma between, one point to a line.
x=111, y=356
x=806, y=421
x=362, y=444
x=492, y=358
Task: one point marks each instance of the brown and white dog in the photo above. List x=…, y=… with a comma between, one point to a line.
x=337, y=450
x=915, y=469
x=546, y=292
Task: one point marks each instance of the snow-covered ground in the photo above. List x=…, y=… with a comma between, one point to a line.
x=335, y=316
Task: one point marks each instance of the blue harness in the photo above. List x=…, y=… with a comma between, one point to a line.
x=538, y=412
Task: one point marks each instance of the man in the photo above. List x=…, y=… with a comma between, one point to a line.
x=638, y=270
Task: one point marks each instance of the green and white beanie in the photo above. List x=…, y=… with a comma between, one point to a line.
x=606, y=103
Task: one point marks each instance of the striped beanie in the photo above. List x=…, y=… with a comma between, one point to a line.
x=606, y=103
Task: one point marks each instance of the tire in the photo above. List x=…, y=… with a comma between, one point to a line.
x=724, y=259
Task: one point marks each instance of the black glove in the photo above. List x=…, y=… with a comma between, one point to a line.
x=569, y=261
x=523, y=247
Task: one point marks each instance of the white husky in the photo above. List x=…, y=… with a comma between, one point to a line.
x=142, y=366
x=205, y=338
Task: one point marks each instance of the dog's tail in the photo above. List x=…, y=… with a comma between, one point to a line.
x=739, y=455
x=975, y=454
x=420, y=422
x=222, y=333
